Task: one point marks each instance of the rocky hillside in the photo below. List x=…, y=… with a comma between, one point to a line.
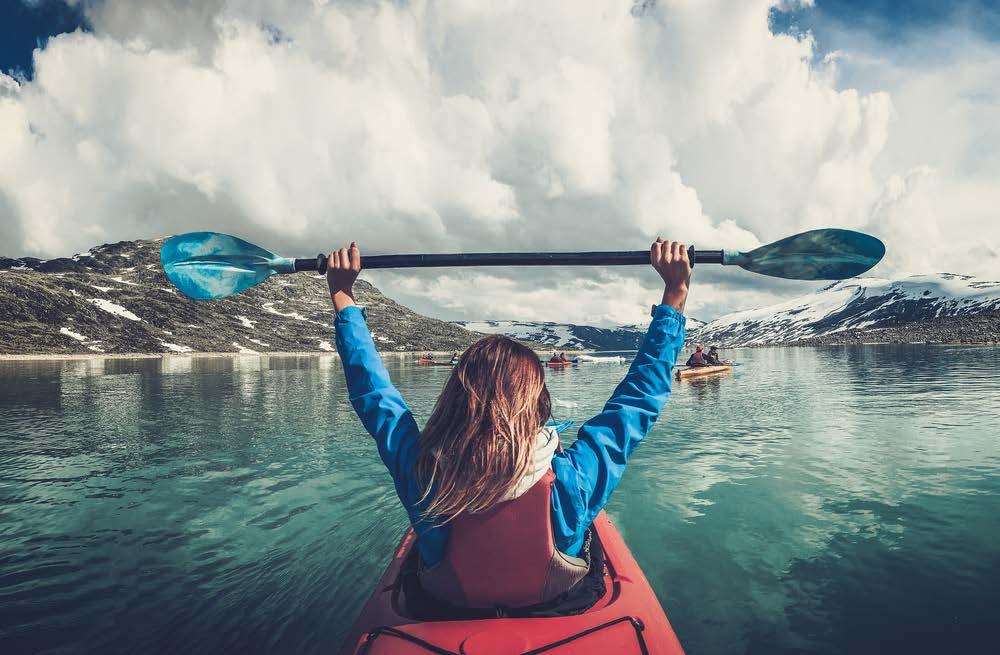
x=116, y=299
x=973, y=328
x=920, y=308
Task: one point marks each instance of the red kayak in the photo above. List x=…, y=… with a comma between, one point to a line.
x=558, y=364
x=628, y=619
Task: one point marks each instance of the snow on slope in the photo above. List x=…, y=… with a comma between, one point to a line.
x=568, y=335
x=48, y=306
x=857, y=303
x=693, y=325
x=563, y=335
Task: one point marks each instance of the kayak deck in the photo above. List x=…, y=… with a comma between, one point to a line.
x=695, y=371
x=628, y=619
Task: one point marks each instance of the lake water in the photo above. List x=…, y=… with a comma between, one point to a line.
x=813, y=501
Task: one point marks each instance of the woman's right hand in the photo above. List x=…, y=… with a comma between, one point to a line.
x=670, y=259
x=342, y=268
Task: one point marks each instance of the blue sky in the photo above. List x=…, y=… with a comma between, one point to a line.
x=25, y=26
x=889, y=21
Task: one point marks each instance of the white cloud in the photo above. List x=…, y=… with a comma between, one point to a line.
x=466, y=125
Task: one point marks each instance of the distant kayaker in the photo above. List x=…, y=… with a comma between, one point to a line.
x=712, y=358
x=454, y=358
x=697, y=358
x=503, y=514
x=563, y=357
x=555, y=357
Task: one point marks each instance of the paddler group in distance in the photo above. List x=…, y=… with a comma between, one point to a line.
x=505, y=523
x=427, y=359
x=559, y=360
x=702, y=363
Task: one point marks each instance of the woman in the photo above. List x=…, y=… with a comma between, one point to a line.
x=697, y=358
x=502, y=515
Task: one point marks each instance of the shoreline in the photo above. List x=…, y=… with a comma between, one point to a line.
x=28, y=357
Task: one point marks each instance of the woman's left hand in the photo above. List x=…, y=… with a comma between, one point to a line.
x=342, y=268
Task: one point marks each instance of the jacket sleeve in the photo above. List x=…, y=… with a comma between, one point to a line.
x=588, y=471
x=376, y=400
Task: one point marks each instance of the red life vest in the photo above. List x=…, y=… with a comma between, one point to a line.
x=505, y=557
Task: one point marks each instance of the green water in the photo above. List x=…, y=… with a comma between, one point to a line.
x=814, y=501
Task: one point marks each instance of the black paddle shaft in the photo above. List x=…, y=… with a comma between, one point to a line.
x=610, y=258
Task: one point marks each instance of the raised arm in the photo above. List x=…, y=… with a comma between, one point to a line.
x=589, y=471
x=376, y=400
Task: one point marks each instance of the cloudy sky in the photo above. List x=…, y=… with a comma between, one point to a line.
x=510, y=125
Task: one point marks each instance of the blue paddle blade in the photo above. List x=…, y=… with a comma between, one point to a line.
x=208, y=265
x=828, y=254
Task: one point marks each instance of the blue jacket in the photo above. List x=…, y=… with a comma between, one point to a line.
x=586, y=472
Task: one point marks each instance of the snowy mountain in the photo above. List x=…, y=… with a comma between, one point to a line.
x=883, y=309
x=693, y=326
x=569, y=335
x=563, y=335
x=116, y=299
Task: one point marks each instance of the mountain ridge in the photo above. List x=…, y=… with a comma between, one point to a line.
x=863, y=310
x=116, y=299
x=572, y=336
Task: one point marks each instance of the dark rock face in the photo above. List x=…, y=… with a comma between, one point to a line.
x=976, y=328
x=116, y=299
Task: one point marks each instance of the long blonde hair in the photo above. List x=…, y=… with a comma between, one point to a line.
x=478, y=442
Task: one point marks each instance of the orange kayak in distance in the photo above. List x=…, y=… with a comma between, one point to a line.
x=696, y=371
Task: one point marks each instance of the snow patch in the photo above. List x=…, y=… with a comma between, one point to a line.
x=243, y=350
x=258, y=342
x=246, y=322
x=173, y=347
x=70, y=333
x=123, y=280
x=325, y=345
x=269, y=308
x=112, y=308
x=100, y=288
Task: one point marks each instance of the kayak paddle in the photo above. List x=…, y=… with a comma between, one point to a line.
x=207, y=265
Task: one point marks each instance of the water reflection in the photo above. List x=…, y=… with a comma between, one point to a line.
x=814, y=501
